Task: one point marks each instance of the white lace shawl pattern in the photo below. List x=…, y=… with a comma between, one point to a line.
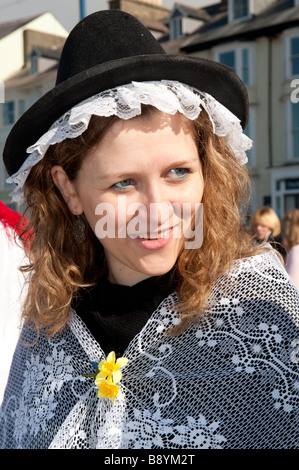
x=125, y=102
x=229, y=381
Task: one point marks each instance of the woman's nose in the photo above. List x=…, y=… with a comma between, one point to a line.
x=153, y=193
x=155, y=207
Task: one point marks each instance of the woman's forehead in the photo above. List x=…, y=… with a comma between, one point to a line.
x=150, y=120
x=162, y=140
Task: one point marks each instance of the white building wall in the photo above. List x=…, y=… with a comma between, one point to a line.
x=12, y=46
x=12, y=61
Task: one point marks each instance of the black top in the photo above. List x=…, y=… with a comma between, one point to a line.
x=115, y=314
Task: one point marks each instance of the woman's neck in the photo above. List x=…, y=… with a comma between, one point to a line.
x=125, y=279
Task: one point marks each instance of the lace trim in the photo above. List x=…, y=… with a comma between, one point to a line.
x=125, y=102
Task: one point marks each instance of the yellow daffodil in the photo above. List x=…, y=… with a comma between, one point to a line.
x=107, y=389
x=107, y=375
x=109, y=369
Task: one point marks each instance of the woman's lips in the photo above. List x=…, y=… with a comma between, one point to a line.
x=155, y=241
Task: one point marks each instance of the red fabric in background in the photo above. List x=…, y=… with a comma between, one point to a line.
x=11, y=219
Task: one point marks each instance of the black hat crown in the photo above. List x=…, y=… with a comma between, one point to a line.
x=103, y=37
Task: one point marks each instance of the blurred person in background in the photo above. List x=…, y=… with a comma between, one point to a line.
x=290, y=240
x=265, y=224
x=266, y=228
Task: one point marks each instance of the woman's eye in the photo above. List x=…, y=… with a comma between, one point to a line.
x=178, y=173
x=123, y=185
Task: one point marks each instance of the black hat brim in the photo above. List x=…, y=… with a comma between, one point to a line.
x=203, y=74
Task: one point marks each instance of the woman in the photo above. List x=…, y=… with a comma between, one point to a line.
x=290, y=239
x=266, y=228
x=150, y=323
x=265, y=224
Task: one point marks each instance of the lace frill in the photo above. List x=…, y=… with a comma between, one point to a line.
x=125, y=102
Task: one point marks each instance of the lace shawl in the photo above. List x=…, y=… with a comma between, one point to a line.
x=229, y=381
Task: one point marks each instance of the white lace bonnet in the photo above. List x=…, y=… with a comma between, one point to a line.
x=125, y=102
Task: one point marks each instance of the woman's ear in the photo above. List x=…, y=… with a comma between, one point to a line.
x=67, y=189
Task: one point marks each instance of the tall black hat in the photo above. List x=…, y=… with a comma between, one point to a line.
x=111, y=48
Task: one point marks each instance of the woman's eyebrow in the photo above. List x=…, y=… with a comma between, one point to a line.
x=133, y=173
x=117, y=176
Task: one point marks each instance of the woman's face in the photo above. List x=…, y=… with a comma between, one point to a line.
x=134, y=188
x=262, y=232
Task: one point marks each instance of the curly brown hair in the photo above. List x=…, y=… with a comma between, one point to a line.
x=60, y=266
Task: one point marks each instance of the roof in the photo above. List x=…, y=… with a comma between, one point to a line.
x=11, y=26
x=155, y=25
x=277, y=17
x=173, y=46
x=23, y=78
x=196, y=13
x=47, y=53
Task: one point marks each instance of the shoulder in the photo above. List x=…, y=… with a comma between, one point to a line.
x=262, y=264
x=262, y=283
x=294, y=252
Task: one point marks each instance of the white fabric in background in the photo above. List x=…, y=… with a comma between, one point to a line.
x=292, y=265
x=11, y=283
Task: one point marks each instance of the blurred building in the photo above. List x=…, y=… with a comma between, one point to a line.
x=152, y=10
x=29, y=52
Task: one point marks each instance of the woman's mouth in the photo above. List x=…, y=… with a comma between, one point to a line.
x=155, y=241
x=155, y=236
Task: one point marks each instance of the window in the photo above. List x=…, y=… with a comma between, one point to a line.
x=291, y=201
x=292, y=131
x=229, y=59
x=176, y=24
x=21, y=107
x=291, y=54
x=250, y=132
x=245, y=66
x=8, y=113
x=6, y=185
x=12, y=110
x=176, y=29
x=238, y=10
x=3, y=176
x=294, y=56
x=240, y=60
x=295, y=130
x=34, y=60
x=285, y=189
